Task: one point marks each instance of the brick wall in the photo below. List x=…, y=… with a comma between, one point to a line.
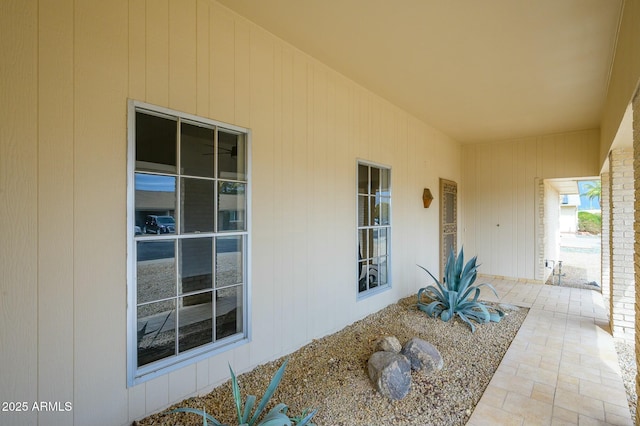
x=636, y=227
x=542, y=273
x=621, y=239
x=604, y=235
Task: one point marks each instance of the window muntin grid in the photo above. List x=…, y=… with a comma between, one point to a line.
x=374, y=227
x=189, y=246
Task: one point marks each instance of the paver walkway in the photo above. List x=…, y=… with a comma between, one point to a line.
x=561, y=368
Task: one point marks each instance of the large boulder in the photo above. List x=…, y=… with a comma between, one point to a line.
x=422, y=355
x=391, y=374
x=388, y=344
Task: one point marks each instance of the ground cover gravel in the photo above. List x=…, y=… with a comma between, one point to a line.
x=330, y=374
x=627, y=360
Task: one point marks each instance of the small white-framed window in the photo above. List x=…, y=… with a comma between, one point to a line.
x=373, y=228
x=188, y=239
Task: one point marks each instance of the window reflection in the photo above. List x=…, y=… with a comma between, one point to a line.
x=380, y=242
x=190, y=233
x=229, y=261
x=231, y=156
x=375, y=180
x=196, y=259
x=197, y=205
x=228, y=311
x=231, y=206
x=383, y=270
x=195, y=321
x=363, y=210
x=385, y=180
x=383, y=211
x=363, y=179
x=156, y=143
x=155, y=204
x=156, y=270
x=374, y=205
x=196, y=150
x=156, y=331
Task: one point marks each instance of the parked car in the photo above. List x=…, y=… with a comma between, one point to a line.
x=159, y=225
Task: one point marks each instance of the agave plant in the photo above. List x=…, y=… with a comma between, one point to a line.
x=457, y=295
x=277, y=416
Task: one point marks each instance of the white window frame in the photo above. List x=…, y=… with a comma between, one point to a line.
x=388, y=285
x=135, y=374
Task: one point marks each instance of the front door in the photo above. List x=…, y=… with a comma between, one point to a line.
x=448, y=221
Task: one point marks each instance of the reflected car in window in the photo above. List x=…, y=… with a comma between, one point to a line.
x=159, y=225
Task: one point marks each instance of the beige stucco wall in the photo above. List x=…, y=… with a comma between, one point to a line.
x=68, y=68
x=499, y=188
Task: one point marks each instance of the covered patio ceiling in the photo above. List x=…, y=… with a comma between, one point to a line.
x=476, y=70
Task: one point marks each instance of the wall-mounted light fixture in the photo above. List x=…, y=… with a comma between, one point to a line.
x=426, y=198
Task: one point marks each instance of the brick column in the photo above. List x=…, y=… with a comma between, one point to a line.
x=622, y=314
x=636, y=228
x=605, y=265
x=542, y=273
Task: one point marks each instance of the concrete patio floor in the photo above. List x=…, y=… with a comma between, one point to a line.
x=561, y=368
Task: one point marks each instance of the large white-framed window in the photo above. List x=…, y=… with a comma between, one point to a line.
x=188, y=239
x=373, y=227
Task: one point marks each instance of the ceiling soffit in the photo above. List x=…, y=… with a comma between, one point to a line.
x=478, y=71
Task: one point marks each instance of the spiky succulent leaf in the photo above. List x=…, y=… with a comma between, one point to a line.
x=237, y=398
x=277, y=420
x=440, y=286
x=467, y=294
x=468, y=276
x=248, y=406
x=477, y=316
x=490, y=287
x=432, y=309
x=449, y=271
x=452, y=302
x=206, y=417
x=432, y=293
x=275, y=381
x=305, y=418
x=465, y=319
x=458, y=269
x=496, y=316
x=277, y=416
x=458, y=295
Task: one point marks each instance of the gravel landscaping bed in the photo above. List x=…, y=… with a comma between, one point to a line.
x=627, y=360
x=330, y=374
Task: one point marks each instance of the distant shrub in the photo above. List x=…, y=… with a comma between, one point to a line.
x=590, y=222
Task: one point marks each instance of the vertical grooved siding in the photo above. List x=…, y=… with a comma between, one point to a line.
x=19, y=180
x=499, y=188
x=63, y=177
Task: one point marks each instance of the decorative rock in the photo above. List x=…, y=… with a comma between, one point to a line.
x=391, y=374
x=422, y=355
x=388, y=344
